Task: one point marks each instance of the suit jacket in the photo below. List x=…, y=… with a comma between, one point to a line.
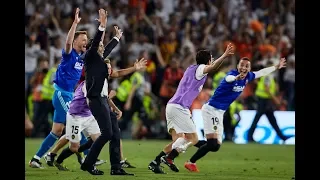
x=95, y=69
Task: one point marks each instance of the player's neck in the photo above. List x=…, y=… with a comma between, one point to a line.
x=77, y=49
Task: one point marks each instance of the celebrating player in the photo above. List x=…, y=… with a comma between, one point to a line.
x=179, y=120
x=80, y=118
x=67, y=76
x=212, y=112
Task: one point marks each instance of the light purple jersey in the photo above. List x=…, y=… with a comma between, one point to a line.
x=189, y=88
x=78, y=105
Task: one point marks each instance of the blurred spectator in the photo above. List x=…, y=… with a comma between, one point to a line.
x=55, y=51
x=140, y=43
x=266, y=92
x=32, y=53
x=168, y=46
x=262, y=30
x=40, y=116
x=134, y=101
x=289, y=79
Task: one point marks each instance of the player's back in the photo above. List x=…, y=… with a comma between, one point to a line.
x=78, y=105
x=189, y=87
x=69, y=71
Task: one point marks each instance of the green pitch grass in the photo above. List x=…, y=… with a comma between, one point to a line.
x=231, y=162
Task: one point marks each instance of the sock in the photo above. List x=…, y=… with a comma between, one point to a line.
x=200, y=143
x=64, y=155
x=36, y=157
x=86, y=146
x=173, y=154
x=157, y=159
x=202, y=151
x=83, y=141
x=47, y=143
x=180, y=144
x=52, y=154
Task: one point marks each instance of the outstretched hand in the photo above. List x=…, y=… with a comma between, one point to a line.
x=229, y=50
x=76, y=16
x=240, y=76
x=140, y=64
x=102, y=17
x=282, y=63
x=119, y=114
x=118, y=32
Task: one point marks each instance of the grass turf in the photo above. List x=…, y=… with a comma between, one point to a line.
x=231, y=162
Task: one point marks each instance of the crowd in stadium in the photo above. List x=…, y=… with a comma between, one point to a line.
x=167, y=33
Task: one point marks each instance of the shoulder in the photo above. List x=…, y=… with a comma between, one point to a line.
x=251, y=76
x=201, y=66
x=199, y=71
x=233, y=72
x=66, y=56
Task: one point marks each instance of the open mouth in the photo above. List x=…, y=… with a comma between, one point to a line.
x=243, y=71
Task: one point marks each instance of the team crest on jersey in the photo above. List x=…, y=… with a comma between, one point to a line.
x=78, y=65
x=247, y=81
x=73, y=136
x=215, y=127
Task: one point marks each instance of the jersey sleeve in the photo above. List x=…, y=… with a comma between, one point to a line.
x=199, y=72
x=230, y=73
x=252, y=76
x=65, y=56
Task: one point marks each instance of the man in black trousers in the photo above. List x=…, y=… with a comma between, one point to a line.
x=266, y=94
x=96, y=72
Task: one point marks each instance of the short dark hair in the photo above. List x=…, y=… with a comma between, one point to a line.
x=245, y=59
x=203, y=57
x=77, y=33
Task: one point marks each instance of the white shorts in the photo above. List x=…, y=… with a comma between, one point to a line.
x=179, y=119
x=76, y=124
x=212, y=120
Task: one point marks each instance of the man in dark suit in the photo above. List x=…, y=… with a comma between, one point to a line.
x=96, y=72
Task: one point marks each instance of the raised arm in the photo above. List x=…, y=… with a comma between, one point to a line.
x=268, y=70
x=214, y=66
x=72, y=31
x=260, y=73
x=114, y=41
x=138, y=65
x=97, y=37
